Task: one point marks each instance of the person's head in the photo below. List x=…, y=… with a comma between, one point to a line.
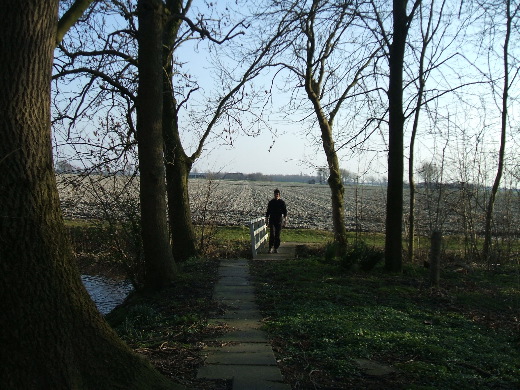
x=277, y=193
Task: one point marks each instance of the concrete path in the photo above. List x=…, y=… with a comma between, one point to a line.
x=243, y=354
x=287, y=250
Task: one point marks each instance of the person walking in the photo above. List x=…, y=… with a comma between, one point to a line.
x=275, y=218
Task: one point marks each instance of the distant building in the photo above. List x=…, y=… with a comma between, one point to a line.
x=196, y=175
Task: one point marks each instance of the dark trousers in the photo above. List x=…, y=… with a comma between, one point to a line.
x=274, y=234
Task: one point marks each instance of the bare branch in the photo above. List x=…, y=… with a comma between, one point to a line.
x=71, y=17
x=125, y=91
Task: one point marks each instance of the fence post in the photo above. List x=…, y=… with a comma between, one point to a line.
x=435, y=258
x=252, y=229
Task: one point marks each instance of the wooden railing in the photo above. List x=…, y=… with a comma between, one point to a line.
x=259, y=234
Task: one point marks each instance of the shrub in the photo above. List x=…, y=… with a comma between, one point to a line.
x=362, y=256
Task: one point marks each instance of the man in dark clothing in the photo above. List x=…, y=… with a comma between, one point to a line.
x=275, y=217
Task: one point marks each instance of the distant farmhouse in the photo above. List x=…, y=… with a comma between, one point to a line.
x=197, y=175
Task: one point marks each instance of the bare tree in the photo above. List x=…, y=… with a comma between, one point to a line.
x=327, y=55
x=115, y=67
x=177, y=159
x=160, y=265
x=395, y=43
x=427, y=34
x=510, y=14
x=52, y=334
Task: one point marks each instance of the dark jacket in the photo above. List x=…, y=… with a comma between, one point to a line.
x=275, y=210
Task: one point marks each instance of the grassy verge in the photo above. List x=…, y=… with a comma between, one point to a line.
x=331, y=328
x=169, y=327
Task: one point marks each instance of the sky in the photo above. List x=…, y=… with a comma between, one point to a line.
x=288, y=155
x=289, y=151
x=291, y=154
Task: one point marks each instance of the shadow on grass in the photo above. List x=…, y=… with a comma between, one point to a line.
x=325, y=321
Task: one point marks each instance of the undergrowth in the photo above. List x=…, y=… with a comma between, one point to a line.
x=324, y=320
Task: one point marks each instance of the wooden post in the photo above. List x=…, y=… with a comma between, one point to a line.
x=252, y=229
x=435, y=257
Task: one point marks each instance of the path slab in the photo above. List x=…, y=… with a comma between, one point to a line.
x=235, y=314
x=243, y=354
x=246, y=377
x=259, y=354
x=244, y=336
x=240, y=323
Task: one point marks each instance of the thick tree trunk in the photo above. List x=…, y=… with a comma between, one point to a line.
x=51, y=333
x=178, y=164
x=394, y=201
x=181, y=226
x=178, y=167
x=335, y=182
x=160, y=265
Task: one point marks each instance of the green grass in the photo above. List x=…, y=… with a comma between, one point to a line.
x=322, y=318
x=307, y=236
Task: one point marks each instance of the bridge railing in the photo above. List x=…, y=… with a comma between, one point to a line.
x=259, y=234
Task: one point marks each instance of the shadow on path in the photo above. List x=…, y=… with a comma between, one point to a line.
x=243, y=354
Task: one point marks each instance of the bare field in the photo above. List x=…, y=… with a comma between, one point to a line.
x=308, y=205
x=226, y=202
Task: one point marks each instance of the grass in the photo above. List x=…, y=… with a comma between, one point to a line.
x=169, y=327
x=323, y=319
x=326, y=322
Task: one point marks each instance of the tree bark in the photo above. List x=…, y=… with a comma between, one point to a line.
x=178, y=164
x=337, y=190
x=180, y=221
x=160, y=266
x=435, y=257
x=52, y=335
x=394, y=201
x=501, y=154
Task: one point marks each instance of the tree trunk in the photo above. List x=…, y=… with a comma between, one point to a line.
x=337, y=190
x=160, y=265
x=394, y=202
x=411, y=160
x=52, y=335
x=178, y=167
x=435, y=258
x=181, y=226
x=501, y=155
x=178, y=164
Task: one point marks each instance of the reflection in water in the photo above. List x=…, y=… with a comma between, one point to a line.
x=105, y=292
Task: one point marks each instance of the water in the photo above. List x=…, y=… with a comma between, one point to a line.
x=105, y=292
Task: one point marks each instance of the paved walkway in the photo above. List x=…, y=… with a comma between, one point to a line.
x=244, y=354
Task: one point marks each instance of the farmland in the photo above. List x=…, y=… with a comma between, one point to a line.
x=227, y=202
